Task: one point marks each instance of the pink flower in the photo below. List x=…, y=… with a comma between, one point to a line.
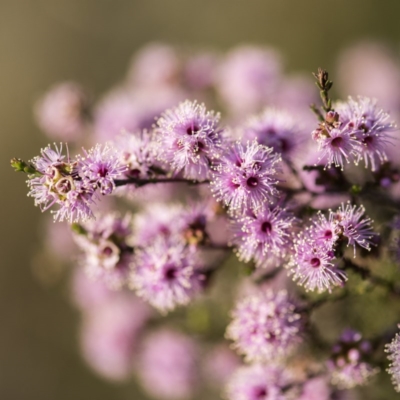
x=167, y=367
x=62, y=112
x=265, y=326
x=109, y=336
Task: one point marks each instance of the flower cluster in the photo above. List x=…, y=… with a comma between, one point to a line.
x=246, y=176
x=99, y=168
x=264, y=235
x=259, y=382
x=72, y=184
x=110, y=334
x=62, y=112
x=394, y=247
x=275, y=128
x=278, y=204
x=190, y=139
x=167, y=274
x=188, y=225
x=317, y=249
x=357, y=130
x=107, y=247
x=157, y=255
x=248, y=78
x=348, y=366
x=138, y=152
x=168, y=365
x=312, y=266
x=265, y=326
x=393, y=348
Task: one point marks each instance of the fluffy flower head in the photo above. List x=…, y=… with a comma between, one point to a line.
x=312, y=266
x=348, y=367
x=352, y=223
x=274, y=128
x=263, y=234
x=61, y=113
x=190, y=139
x=248, y=77
x=107, y=246
x=258, y=382
x=265, y=326
x=57, y=182
x=109, y=336
x=372, y=128
x=246, y=176
x=100, y=166
x=167, y=365
x=167, y=274
x=338, y=146
x=393, y=348
x=138, y=152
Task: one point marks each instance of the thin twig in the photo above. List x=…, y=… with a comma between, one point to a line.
x=142, y=182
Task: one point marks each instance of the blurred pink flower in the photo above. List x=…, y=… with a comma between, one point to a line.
x=109, y=336
x=369, y=69
x=62, y=112
x=168, y=365
x=248, y=77
x=219, y=364
x=155, y=65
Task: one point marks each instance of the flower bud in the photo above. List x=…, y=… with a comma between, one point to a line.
x=21, y=166
x=331, y=117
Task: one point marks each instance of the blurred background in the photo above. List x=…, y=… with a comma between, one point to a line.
x=92, y=41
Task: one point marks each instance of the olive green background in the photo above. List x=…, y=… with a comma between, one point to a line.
x=91, y=41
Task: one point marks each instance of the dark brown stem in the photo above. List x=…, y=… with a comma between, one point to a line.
x=142, y=182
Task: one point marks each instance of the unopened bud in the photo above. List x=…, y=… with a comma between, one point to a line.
x=322, y=78
x=21, y=166
x=331, y=117
x=18, y=164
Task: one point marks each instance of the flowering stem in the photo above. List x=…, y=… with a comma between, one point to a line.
x=21, y=166
x=370, y=191
x=142, y=182
x=324, y=85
